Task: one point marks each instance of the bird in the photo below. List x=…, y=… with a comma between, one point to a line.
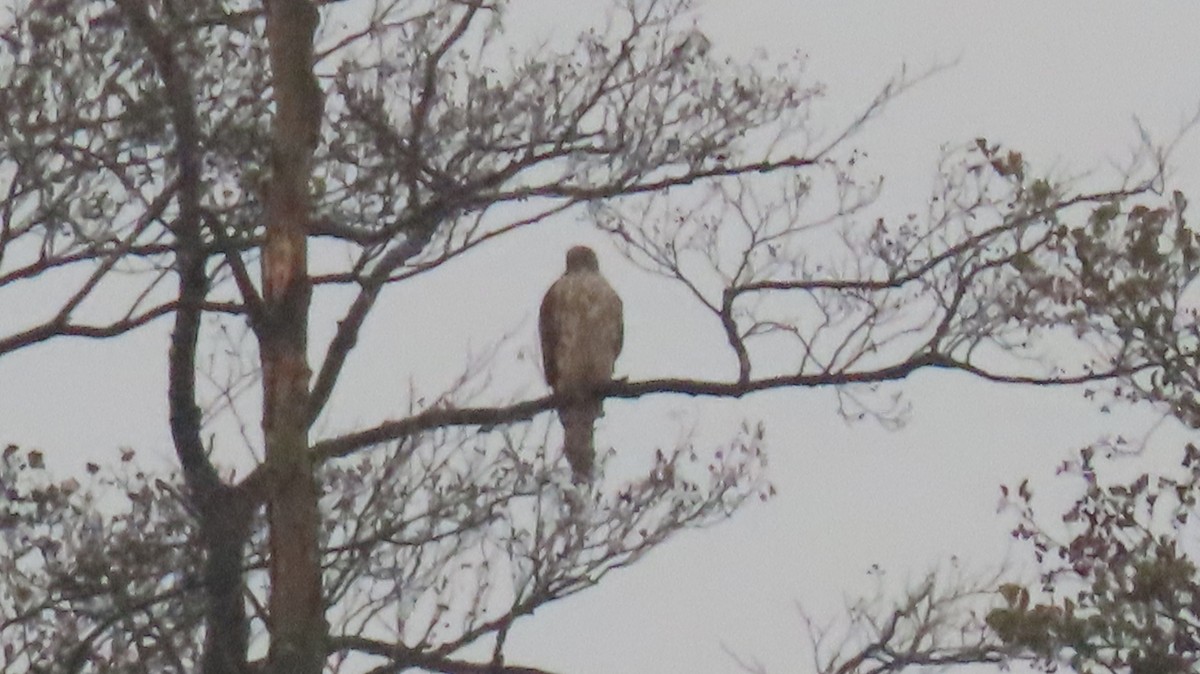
x=581, y=325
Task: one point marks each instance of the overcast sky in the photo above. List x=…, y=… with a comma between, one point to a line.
x=1062, y=82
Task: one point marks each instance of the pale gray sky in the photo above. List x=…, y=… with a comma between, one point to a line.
x=1062, y=82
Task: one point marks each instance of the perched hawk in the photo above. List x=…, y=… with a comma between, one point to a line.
x=582, y=332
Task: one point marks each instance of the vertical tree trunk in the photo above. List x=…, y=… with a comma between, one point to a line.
x=296, y=606
x=224, y=512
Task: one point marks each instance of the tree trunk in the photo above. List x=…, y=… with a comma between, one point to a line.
x=297, y=623
x=224, y=512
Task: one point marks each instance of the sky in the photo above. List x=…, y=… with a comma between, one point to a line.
x=1065, y=83
x=1062, y=82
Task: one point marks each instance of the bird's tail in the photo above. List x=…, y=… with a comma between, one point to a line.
x=578, y=422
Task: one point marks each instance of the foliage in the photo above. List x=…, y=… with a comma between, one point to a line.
x=98, y=573
x=1120, y=587
x=432, y=542
x=154, y=152
x=1118, y=580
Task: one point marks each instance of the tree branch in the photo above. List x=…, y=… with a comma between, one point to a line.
x=489, y=417
x=224, y=512
x=403, y=658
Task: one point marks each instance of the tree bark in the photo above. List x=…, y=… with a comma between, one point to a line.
x=224, y=512
x=297, y=623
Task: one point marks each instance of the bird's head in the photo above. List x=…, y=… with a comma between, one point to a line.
x=582, y=258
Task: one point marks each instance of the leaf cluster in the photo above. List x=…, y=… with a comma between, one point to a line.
x=1121, y=590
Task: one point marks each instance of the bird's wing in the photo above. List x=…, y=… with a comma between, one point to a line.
x=548, y=329
x=618, y=309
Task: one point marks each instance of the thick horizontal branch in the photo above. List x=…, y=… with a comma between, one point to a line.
x=404, y=658
x=107, y=252
x=486, y=417
x=52, y=329
x=92, y=254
